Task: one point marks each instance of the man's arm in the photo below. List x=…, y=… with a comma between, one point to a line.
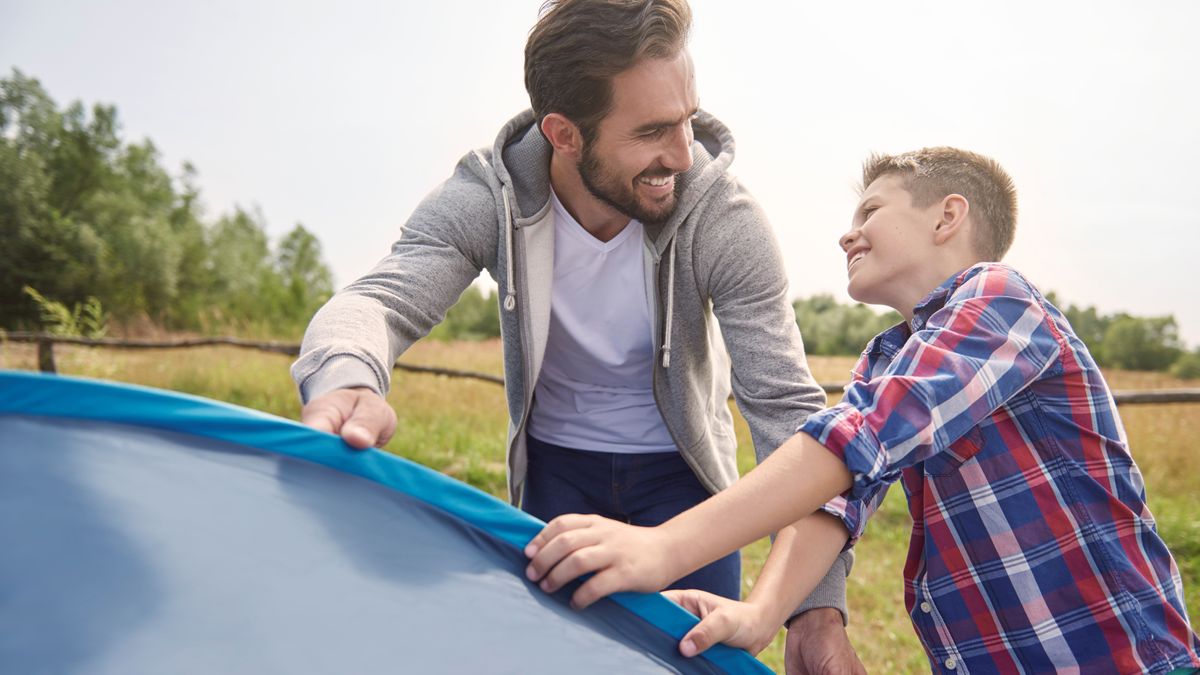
x=353, y=341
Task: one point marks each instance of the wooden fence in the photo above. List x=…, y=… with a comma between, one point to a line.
x=46, y=342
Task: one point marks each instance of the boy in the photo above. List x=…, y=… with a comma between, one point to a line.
x=1032, y=550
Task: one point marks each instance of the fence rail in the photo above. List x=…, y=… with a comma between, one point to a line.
x=46, y=342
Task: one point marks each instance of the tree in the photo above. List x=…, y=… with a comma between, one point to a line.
x=85, y=214
x=307, y=282
x=831, y=328
x=1142, y=344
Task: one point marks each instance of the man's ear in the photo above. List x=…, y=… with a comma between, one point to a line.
x=563, y=135
x=953, y=218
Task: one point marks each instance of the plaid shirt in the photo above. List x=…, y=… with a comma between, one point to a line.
x=1032, y=547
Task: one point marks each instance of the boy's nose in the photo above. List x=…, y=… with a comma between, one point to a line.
x=848, y=239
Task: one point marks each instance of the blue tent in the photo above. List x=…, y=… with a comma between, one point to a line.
x=144, y=531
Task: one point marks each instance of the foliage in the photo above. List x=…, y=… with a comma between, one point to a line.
x=830, y=328
x=87, y=320
x=1115, y=341
x=476, y=316
x=1124, y=341
x=1187, y=366
x=84, y=214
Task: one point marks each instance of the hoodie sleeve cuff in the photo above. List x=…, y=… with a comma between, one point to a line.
x=339, y=372
x=831, y=592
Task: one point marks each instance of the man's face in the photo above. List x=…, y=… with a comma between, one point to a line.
x=645, y=141
x=888, y=245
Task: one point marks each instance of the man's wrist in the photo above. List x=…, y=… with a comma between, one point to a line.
x=816, y=618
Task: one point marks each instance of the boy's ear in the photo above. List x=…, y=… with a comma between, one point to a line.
x=563, y=135
x=952, y=220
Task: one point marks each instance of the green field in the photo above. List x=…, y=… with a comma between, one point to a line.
x=457, y=426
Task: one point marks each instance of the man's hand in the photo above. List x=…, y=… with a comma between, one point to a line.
x=624, y=557
x=817, y=645
x=737, y=624
x=360, y=416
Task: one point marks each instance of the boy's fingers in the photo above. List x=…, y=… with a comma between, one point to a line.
x=714, y=628
x=579, y=562
x=691, y=600
x=553, y=529
x=555, y=550
x=601, y=585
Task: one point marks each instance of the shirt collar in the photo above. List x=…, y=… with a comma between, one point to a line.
x=937, y=297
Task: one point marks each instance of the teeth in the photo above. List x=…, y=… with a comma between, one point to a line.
x=657, y=182
x=858, y=256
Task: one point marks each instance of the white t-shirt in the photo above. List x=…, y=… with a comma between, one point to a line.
x=595, y=390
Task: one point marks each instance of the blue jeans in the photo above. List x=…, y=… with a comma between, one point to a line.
x=640, y=489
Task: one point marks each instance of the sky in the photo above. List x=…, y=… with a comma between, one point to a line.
x=342, y=116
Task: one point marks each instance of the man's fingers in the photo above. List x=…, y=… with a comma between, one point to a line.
x=360, y=416
x=321, y=415
x=714, y=628
x=371, y=421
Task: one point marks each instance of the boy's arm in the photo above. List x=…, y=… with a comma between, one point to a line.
x=793, y=482
x=799, y=558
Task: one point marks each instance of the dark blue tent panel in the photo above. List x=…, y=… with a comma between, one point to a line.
x=149, y=532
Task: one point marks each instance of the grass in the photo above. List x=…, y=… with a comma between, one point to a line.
x=458, y=427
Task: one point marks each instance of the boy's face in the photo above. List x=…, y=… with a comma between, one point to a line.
x=889, y=247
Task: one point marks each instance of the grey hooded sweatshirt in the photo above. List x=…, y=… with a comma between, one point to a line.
x=715, y=257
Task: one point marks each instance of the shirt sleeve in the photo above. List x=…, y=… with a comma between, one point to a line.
x=991, y=340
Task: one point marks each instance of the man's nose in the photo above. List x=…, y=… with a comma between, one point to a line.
x=678, y=155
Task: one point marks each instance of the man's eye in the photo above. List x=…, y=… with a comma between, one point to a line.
x=654, y=134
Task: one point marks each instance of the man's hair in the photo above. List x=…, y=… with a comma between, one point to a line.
x=577, y=47
x=930, y=174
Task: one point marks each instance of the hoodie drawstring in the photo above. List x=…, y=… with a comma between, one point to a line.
x=510, y=301
x=666, y=348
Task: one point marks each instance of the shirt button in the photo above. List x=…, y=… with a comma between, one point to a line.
x=951, y=663
x=926, y=607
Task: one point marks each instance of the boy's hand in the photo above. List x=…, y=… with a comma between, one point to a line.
x=737, y=624
x=624, y=557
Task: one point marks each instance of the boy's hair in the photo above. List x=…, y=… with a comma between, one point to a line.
x=577, y=46
x=929, y=174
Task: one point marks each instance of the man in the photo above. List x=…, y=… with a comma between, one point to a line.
x=607, y=217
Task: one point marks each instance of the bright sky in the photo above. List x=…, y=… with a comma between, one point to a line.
x=342, y=115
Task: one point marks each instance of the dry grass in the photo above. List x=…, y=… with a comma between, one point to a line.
x=457, y=426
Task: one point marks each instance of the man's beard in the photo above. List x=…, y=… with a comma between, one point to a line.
x=611, y=190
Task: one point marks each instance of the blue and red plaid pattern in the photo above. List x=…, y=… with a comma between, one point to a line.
x=1032, y=547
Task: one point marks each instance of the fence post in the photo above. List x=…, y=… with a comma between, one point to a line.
x=46, y=356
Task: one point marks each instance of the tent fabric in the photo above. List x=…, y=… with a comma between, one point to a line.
x=144, y=531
